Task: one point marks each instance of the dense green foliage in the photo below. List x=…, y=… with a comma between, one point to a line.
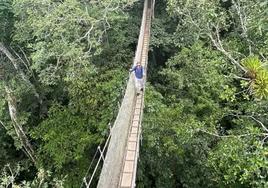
x=205, y=121
x=63, y=66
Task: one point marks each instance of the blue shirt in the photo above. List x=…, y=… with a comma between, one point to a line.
x=138, y=71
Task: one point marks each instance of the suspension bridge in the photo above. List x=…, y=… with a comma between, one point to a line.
x=121, y=150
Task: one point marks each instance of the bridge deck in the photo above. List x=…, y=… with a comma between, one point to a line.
x=120, y=164
x=128, y=175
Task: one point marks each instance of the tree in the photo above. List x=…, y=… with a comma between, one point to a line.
x=64, y=70
x=205, y=118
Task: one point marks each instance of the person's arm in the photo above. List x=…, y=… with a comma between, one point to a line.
x=133, y=68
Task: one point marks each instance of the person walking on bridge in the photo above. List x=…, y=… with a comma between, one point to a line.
x=139, y=74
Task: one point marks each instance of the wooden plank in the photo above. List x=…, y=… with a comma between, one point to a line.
x=126, y=180
x=131, y=146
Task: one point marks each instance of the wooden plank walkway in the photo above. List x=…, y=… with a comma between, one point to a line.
x=128, y=175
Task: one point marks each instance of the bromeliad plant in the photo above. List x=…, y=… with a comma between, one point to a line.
x=258, y=76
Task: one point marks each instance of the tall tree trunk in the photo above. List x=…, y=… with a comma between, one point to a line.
x=28, y=149
x=15, y=64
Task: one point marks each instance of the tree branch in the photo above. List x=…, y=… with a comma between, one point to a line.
x=11, y=100
x=218, y=44
x=3, y=124
x=233, y=136
x=258, y=121
x=263, y=140
x=242, y=18
x=14, y=62
x=250, y=116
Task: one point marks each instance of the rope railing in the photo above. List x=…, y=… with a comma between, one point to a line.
x=100, y=151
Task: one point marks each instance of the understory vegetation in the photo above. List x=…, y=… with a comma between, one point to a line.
x=64, y=65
